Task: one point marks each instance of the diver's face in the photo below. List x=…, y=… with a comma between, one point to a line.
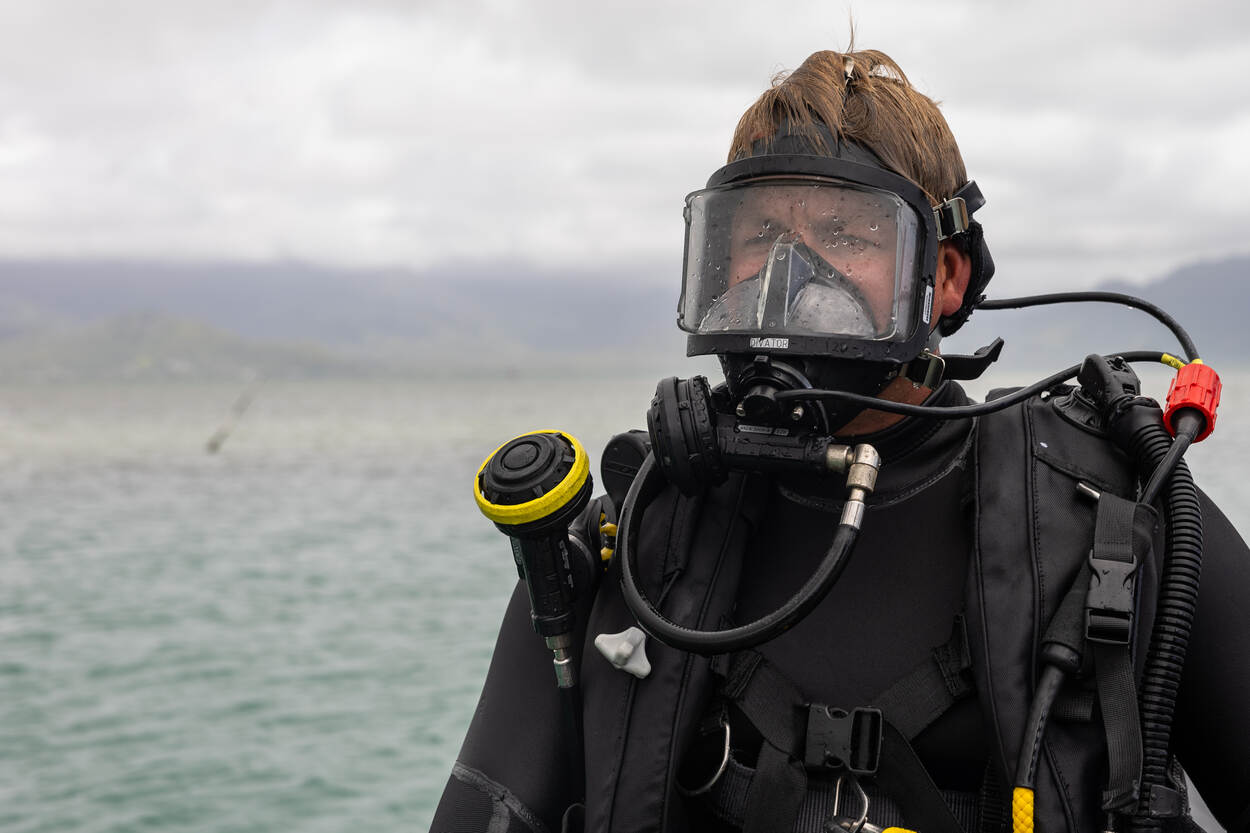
x=855, y=231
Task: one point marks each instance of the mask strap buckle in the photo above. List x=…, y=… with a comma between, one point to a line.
x=955, y=215
x=921, y=370
x=952, y=217
x=926, y=370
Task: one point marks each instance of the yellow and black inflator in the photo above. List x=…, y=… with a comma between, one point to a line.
x=532, y=487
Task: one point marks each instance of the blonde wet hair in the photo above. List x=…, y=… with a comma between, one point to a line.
x=862, y=97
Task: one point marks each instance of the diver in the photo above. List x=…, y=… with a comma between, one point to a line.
x=839, y=595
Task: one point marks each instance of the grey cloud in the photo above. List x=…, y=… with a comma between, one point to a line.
x=1106, y=136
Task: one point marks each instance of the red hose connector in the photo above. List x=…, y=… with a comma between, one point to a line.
x=1196, y=386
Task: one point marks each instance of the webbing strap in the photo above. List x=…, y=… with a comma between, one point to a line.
x=913, y=702
x=905, y=779
x=1113, y=562
x=768, y=699
x=773, y=705
x=728, y=801
x=778, y=709
x=776, y=792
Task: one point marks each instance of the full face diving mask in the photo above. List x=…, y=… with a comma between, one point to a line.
x=823, y=266
x=834, y=256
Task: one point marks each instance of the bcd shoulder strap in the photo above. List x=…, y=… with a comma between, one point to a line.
x=1032, y=539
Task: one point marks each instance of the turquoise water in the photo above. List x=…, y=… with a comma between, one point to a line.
x=288, y=635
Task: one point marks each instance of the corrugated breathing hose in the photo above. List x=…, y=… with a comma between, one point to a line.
x=1150, y=444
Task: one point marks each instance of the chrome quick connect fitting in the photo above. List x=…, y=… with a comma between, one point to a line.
x=861, y=464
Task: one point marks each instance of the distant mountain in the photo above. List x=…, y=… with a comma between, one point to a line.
x=132, y=319
x=150, y=346
x=548, y=309
x=1211, y=300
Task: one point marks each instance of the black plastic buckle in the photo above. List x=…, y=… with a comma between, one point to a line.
x=1109, y=604
x=838, y=739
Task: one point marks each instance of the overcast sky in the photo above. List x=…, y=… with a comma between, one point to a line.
x=1109, y=138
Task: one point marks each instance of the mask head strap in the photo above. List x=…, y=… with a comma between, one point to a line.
x=814, y=139
x=954, y=219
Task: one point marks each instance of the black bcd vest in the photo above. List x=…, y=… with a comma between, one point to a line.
x=1031, y=541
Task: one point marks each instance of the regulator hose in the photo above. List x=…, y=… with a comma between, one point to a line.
x=1150, y=445
x=647, y=484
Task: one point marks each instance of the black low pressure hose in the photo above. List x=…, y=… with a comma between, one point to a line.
x=958, y=411
x=1152, y=446
x=647, y=484
x=1156, y=311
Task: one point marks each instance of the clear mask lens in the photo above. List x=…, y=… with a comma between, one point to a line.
x=800, y=257
x=795, y=291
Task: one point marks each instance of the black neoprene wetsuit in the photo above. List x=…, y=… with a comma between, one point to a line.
x=896, y=600
x=900, y=593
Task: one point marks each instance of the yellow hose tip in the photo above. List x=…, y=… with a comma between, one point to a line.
x=1022, y=810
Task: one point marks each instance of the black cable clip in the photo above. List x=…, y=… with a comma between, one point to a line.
x=838, y=739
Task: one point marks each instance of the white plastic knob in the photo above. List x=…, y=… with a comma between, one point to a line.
x=625, y=650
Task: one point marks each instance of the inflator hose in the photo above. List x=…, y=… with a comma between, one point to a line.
x=647, y=484
x=1149, y=444
x=1048, y=686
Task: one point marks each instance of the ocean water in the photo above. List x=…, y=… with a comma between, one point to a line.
x=291, y=634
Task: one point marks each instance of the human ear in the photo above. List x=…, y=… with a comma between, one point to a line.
x=953, y=273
